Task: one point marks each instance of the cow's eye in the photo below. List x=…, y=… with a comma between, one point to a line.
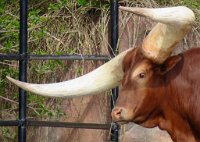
x=142, y=75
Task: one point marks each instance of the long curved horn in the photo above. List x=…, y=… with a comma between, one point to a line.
x=174, y=24
x=103, y=78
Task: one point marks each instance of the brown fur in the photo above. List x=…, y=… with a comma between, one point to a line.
x=164, y=95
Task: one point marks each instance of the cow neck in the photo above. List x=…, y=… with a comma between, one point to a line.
x=178, y=128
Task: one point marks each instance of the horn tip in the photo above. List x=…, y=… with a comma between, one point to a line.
x=124, y=8
x=11, y=79
x=121, y=7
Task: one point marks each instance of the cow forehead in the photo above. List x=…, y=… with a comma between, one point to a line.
x=142, y=67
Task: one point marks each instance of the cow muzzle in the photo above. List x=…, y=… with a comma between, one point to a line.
x=121, y=115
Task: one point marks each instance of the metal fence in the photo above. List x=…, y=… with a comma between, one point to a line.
x=23, y=58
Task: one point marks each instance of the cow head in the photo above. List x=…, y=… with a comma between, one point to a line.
x=141, y=92
x=136, y=69
x=145, y=68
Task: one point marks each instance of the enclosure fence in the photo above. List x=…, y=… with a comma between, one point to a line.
x=23, y=58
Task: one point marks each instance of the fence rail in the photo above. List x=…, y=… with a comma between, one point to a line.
x=23, y=57
x=57, y=124
x=55, y=57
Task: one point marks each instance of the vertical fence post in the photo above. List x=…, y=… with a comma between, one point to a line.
x=114, y=39
x=23, y=69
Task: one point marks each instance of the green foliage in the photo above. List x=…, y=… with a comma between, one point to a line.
x=195, y=4
x=9, y=39
x=41, y=110
x=7, y=134
x=191, y=3
x=9, y=25
x=82, y=2
x=54, y=27
x=55, y=7
x=49, y=66
x=3, y=84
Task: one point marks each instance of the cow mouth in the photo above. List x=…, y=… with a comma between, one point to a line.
x=139, y=120
x=122, y=122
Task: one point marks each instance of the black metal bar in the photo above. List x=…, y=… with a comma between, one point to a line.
x=115, y=92
x=68, y=125
x=23, y=36
x=10, y=57
x=114, y=40
x=55, y=57
x=57, y=124
x=9, y=123
x=114, y=32
x=114, y=132
x=114, y=25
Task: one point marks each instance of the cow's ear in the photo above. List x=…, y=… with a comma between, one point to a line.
x=169, y=64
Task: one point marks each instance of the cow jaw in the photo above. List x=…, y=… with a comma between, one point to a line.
x=103, y=78
x=173, y=24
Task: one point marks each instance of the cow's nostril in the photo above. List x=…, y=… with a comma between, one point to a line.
x=116, y=113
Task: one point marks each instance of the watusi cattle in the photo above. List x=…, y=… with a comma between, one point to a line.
x=165, y=95
x=157, y=89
